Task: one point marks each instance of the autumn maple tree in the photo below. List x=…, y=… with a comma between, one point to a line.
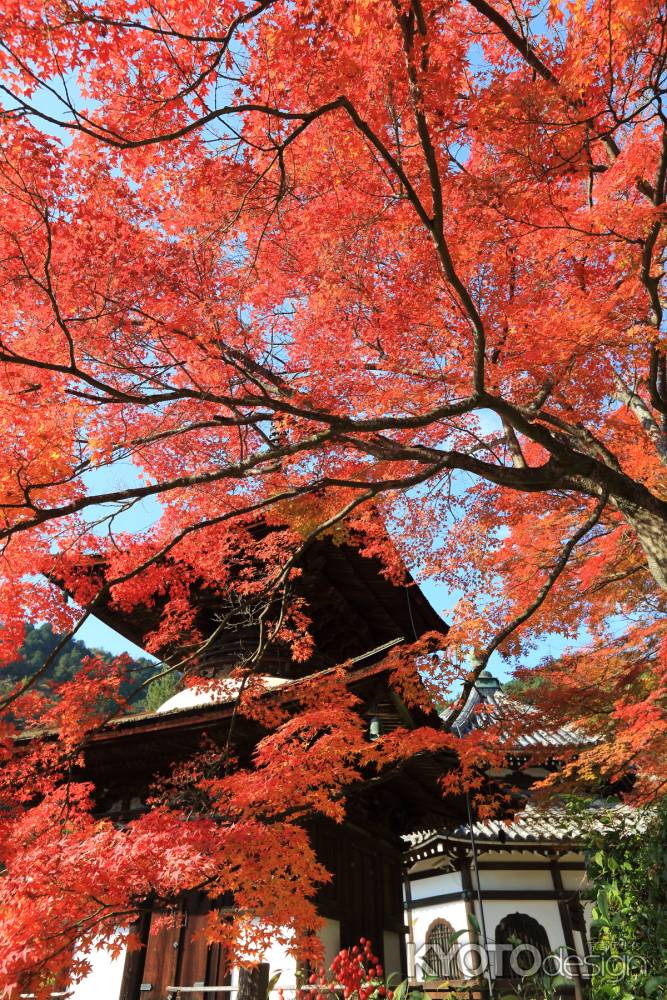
x=389, y=266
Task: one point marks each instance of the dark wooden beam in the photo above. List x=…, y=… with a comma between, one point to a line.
x=133, y=969
x=504, y=866
x=489, y=894
x=566, y=923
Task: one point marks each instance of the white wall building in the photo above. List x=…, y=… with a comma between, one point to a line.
x=474, y=890
x=521, y=881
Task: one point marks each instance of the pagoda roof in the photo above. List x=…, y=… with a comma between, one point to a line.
x=529, y=826
x=353, y=606
x=123, y=757
x=359, y=678
x=488, y=705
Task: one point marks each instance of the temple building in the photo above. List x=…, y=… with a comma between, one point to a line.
x=410, y=866
x=358, y=616
x=492, y=884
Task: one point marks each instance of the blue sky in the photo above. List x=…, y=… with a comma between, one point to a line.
x=145, y=513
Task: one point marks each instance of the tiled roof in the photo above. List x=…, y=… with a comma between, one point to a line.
x=530, y=828
x=533, y=828
x=488, y=705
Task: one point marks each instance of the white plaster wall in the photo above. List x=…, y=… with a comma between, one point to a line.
x=104, y=980
x=435, y=885
x=283, y=965
x=329, y=935
x=515, y=880
x=574, y=880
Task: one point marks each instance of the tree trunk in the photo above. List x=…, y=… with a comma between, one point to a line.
x=651, y=530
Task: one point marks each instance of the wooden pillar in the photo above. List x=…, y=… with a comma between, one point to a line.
x=135, y=960
x=469, y=898
x=408, y=951
x=579, y=923
x=566, y=922
x=254, y=983
x=469, y=893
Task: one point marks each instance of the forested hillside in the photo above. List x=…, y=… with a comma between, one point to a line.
x=40, y=641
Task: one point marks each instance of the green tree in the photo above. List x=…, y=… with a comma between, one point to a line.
x=160, y=690
x=627, y=867
x=39, y=643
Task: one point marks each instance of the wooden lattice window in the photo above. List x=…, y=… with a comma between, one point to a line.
x=516, y=929
x=441, y=951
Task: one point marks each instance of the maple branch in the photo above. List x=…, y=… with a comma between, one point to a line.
x=234, y=471
x=29, y=682
x=590, y=470
x=552, y=577
x=118, y=141
x=524, y=48
x=514, y=38
x=657, y=380
x=566, y=468
x=407, y=24
x=652, y=281
x=513, y=446
x=586, y=472
x=437, y=235
x=481, y=658
x=224, y=39
x=436, y=222
x=137, y=570
x=657, y=384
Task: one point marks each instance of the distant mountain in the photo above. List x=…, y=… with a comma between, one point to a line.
x=40, y=641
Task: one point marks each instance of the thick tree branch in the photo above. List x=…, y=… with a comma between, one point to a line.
x=635, y=403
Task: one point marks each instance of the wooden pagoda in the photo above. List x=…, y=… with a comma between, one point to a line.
x=357, y=615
